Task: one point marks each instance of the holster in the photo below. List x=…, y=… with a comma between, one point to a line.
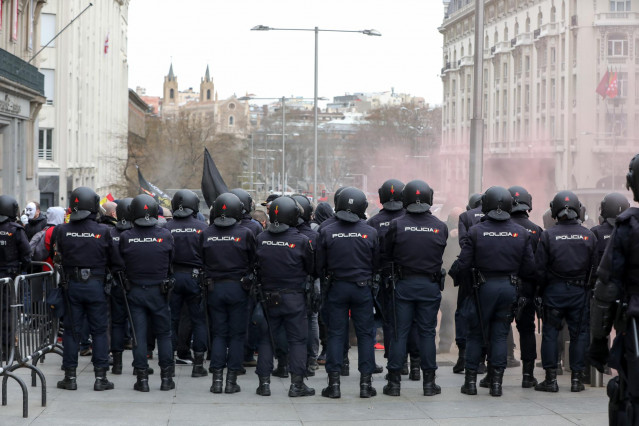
x=209, y=284
x=441, y=279
x=247, y=281
x=272, y=298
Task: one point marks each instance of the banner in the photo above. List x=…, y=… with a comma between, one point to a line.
x=212, y=183
x=148, y=188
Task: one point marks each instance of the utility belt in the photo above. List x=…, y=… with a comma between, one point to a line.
x=570, y=282
x=84, y=274
x=185, y=269
x=273, y=298
x=210, y=283
x=482, y=277
x=437, y=277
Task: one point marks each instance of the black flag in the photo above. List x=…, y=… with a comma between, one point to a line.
x=148, y=188
x=212, y=183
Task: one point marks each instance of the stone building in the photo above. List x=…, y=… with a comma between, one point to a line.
x=545, y=125
x=21, y=97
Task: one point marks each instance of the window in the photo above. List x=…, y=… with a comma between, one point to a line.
x=171, y=94
x=553, y=90
x=617, y=45
x=620, y=6
x=47, y=29
x=208, y=94
x=231, y=106
x=553, y=56
x=45, y=144
x=231, y=121
x=622, y=84
x=49, y=85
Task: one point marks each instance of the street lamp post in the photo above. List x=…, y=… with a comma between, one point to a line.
x=316, y=30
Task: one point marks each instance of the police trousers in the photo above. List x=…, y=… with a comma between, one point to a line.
x=496, y=297
x=187, y=291
x=418, y=300
x=88, y=302
x=227, y=315
x=344, y=297
x=118, y=319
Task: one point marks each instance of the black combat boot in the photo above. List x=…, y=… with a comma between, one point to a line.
x=488, y=378
x=299, y=388
x=405, y=369
x=458, y=368
x=149, y=371
x=550, y=383
x=117, y=363
x=231, y=382
x=346, y=366
x=198, y=366
x=68, y=382
x=430, y=387
x=101, y=382
x=166, y=374
x=415, y=369
x=470, y=383
x=264, y=389
x=495, y=386
x=528, y=379
x=576, y=384
x=218, y=377
x=366, y=389
x=142, y=385
x=394, y=386
x=332, y=390
x=282, y=368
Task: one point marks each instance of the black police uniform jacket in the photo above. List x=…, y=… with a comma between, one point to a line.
x=252, y=224
x=148, y=254
x=284, y=260
x=603, y=233
x=416, y=243
x=117, y=263
x=535, y=231
x=566, y=252
x=84, y=244
x=499, y=248
x=620, y=263
x=228, y=253
x=466, y=220
x=15, y=252
x=348, y=250
x=186, y=236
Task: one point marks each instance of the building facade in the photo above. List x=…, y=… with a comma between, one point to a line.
x=545, y=125
x=21, y=97
x=83, y=126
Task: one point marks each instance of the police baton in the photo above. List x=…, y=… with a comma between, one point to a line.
x=393, y=281
x=64, y=285
x=477, y=282
x=126, y=306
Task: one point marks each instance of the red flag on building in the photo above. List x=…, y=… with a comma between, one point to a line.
x=106, y=45
x=613, y=87
x=602, y=88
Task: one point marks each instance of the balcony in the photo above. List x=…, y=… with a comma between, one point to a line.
x=524, y=39
x=19, y=71
x=617, y=60
x=616, y=19
x=502, y=47
x=550, y=29
x=466, y=61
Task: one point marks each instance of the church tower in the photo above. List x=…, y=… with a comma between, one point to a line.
x=170, y=88
x=206, y=87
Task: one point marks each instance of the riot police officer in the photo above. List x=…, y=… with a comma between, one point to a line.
x=618, y=279
x=187, y=264
x=118, y=292
x=470, y=217
x=348, y=253
x=247, y=202
x=522, y=205
x=284, y=262
x=148, y=252
x=415, y=243
x=565, y=259
x=498, y=253
x=15, y=256
x=83, y=248
x=228, y=252
x=612, y=206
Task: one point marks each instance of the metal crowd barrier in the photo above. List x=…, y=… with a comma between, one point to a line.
x=31, y=326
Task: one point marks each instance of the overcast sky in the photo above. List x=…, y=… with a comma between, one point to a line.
x=407, y=57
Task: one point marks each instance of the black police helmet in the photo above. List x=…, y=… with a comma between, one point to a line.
x=417, y=196
x=612, y=206
x=184, y=203
x=474, y=201
x=245, y=198
x=390, y=195
x=522, y=200
x=307, y=208
x=9, y=209
x=565, y=205
x=338, y=192
x=632, y=178
x=497, y=203
x=125, y=219
x=227, y=210
x=351, y=205
x=283, y=214
x=144, y=210
x=83, y=202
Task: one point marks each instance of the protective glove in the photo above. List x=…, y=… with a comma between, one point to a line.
x=599, y=353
